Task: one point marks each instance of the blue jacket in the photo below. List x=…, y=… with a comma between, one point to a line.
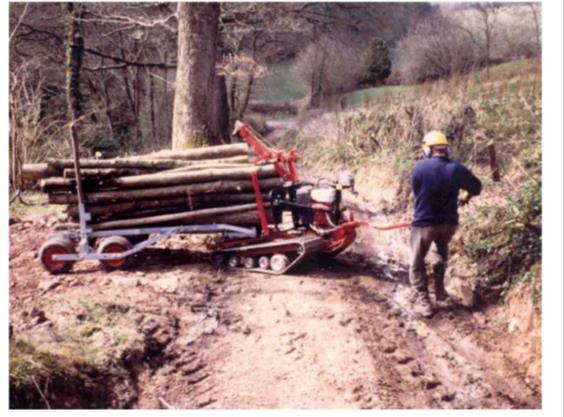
x=436, y=182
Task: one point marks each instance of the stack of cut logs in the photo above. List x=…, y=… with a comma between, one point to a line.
x=204, y=185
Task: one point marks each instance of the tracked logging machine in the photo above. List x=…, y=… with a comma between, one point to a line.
x=296, y=220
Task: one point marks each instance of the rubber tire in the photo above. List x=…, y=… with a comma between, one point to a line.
x=64, y=246
x=115, y=241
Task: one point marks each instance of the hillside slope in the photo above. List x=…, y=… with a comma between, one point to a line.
x=495, y=262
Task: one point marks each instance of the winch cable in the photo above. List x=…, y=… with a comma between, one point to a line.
x=390, y=227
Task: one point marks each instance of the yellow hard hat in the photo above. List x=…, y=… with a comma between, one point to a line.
x=433, y=138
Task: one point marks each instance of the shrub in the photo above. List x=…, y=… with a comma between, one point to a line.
x=377, y=62
x=505, y=241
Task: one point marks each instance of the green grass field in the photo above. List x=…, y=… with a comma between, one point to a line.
x=477, y=79
x=279, y=84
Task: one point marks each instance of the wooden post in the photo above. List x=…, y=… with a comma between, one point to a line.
x=493, y=162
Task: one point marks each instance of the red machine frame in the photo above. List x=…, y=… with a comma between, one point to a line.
x=338, y=239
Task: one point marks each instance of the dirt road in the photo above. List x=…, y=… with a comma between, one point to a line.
x=326, y=336
x=342, y=337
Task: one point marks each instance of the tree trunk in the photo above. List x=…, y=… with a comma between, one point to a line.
x=246, y=97
x=220, y=110
x=197, y=39
x=220, y=107
x=75, y=53
x=152, y=107
x=233, y=92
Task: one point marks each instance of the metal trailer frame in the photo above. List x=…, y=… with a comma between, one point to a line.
x=87, y=252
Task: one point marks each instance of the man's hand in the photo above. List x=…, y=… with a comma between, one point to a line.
x=464, y=198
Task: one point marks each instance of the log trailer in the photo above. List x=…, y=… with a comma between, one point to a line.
x=305, y=219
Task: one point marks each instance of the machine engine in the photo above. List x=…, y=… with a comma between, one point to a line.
x=306, y=201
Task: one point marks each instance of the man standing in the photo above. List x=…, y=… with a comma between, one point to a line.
x=436, y=182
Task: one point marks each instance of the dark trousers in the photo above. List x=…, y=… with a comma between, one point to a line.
x=421, y=240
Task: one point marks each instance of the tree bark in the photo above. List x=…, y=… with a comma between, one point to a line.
x=198, y=25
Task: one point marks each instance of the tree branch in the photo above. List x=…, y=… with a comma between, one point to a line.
x=125, y=62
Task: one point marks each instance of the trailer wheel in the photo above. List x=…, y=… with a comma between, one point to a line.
x=56, y=246
x=116, y=244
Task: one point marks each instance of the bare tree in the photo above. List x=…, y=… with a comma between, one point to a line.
x=535, y=12
x=329, y=67
x=195, y=74
x=488, y=18
x=437, y=47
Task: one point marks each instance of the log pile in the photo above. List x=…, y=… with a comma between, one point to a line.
x=204, y=185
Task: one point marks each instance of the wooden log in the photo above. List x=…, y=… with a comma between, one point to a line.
x=104, y=172
x=195, y=216
x=135, y=163
x=221, y=186
x=244, y=218
x=207, y=152
x=231, y=160
x=138, y=214
x=204, y=175
x=210, y=166
x=33, y=172
x=59, y=184
x=186, y=201
x=158, y=179
x=250, y=217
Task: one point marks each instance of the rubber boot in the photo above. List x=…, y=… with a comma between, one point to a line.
x=422, y=304
x=439, y=280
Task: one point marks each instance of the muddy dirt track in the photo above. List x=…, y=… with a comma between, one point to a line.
x=332, y=335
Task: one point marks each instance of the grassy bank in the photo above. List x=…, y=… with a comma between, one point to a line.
x=380, y=142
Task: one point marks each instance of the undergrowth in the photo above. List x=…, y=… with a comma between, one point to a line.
x=503, y=234
x=45, y=380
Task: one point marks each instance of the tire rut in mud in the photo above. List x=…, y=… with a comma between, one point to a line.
x=436, y=363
